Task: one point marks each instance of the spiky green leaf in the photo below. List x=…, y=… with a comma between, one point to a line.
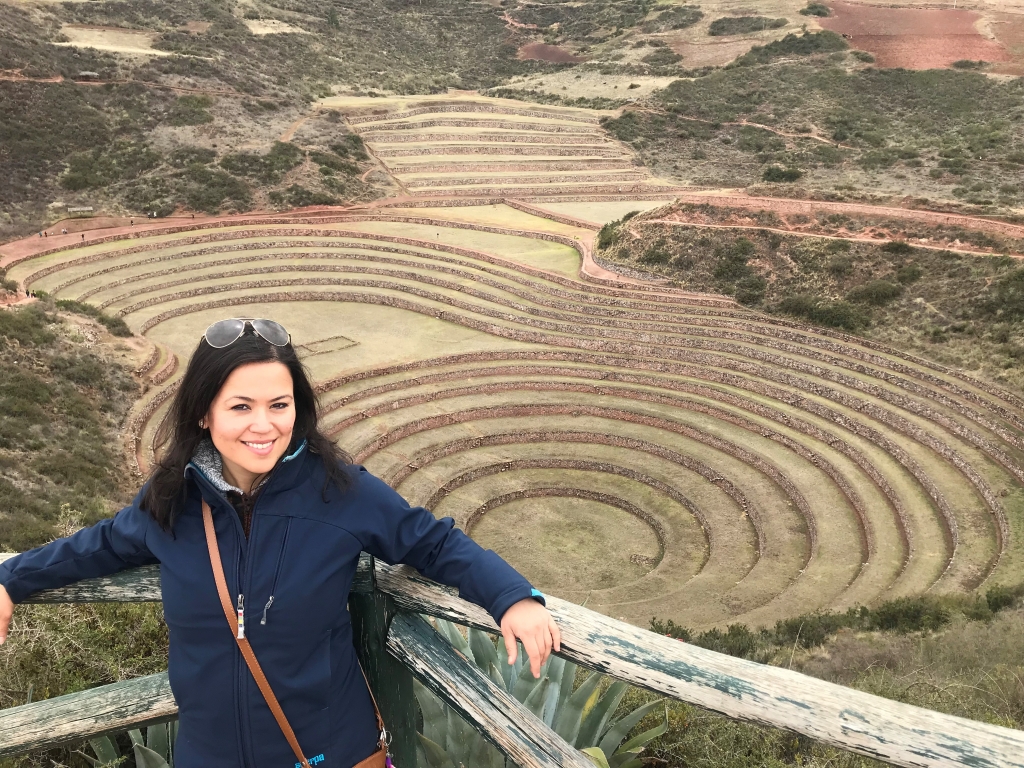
x=595, y=722
x=638, y=742
x=567, y=724
x=147, y=758
x=435, y=718
x=483, y=649
x=612, y=739
x=596, y=756
x=432, y=755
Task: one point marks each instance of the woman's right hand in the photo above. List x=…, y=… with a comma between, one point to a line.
x=6, y=611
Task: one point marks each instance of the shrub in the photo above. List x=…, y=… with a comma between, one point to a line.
x=750, y=290
x=909, y=273
x=832, y=314
x=1004, y=298
x=816, y=9
x=206, y=189
x=350, y=146
x=864, y=56
x=1001, y=597
x=968, y=64
x=840, y=266
x=742, y=25
x=28, y=326
x=678, y=17
x=190, y=110
x=662, y=57
x=297, y=196
x=779, y=174
x=656, y=254
x=115, y=325
x=104, y=165
x=877, y=293
x=792, y=45
x=268, y=168
x=186, y=156
x=607, y=237
x=909, y=614
x=899, y=247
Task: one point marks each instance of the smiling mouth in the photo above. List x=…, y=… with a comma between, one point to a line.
x=259, y=447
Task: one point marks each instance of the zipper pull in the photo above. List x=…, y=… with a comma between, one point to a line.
x=266, y=607
x=241, y=618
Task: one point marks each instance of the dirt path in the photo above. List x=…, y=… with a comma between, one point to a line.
x=289, y=133
x=807, y=207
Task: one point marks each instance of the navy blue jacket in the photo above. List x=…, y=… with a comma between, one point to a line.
x=302, y=551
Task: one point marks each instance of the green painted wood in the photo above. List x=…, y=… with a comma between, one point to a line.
x=896, y=733
x=79, y=716
x=372, y=613
x=142, y=585
x=517, y=732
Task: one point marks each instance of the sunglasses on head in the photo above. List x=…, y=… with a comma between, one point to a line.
x=224, y=333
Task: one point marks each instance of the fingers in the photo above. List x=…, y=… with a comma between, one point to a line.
x=533, y=650
x=556, y=635
x=511, y=647
x=6, y=611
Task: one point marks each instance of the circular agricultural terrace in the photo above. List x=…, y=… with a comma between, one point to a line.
x=650, y=451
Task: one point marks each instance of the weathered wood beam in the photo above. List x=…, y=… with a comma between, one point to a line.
x=142, y=585
x=79, y=716
x=897, y=733
x=389, y=680
x=506, y=723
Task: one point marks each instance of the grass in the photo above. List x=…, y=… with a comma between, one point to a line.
x=63, y=406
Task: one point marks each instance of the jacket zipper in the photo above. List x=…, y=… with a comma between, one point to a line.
x=277, y=571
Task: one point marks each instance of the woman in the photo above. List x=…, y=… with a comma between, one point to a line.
x=290, y=515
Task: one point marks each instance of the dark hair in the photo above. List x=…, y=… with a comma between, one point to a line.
x=180, y=432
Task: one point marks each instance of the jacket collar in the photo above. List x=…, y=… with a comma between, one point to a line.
x=207, y=465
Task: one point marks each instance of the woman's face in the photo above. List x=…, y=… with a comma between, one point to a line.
x=251, y=420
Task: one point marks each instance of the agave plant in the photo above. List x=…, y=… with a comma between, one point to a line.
x=156, y=750
x=583, y=717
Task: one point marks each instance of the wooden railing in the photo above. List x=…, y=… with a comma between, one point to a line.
x=395, y=644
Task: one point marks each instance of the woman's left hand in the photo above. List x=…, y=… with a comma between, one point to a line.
x=531, y=622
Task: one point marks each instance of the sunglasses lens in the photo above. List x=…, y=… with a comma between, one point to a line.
x=224, y=332
x=272, y=332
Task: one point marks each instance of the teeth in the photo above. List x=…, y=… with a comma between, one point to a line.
x=259, y=446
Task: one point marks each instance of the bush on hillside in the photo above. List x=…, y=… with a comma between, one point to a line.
x=833, y=314
x=777, y=173
x=677, y=17
x=792, y=45
x=190, y=110
x=816, y=9
x=115, y=325
x=268, y=168
x=878, y=293
x=742, y=25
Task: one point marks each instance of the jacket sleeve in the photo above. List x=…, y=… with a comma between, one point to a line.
x=396, y=532
x=104, y=548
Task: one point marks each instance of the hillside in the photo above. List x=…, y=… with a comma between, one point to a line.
x=706, y=317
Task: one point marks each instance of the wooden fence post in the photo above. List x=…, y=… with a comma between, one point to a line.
x=391, y=681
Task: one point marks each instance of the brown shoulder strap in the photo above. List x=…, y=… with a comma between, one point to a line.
x=243, y=644
x=250, y=657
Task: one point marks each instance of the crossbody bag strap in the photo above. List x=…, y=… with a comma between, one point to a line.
x=250, y=657
x=243, y=644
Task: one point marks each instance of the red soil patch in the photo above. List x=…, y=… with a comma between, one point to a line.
x=546, y=52
x=913, y=38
